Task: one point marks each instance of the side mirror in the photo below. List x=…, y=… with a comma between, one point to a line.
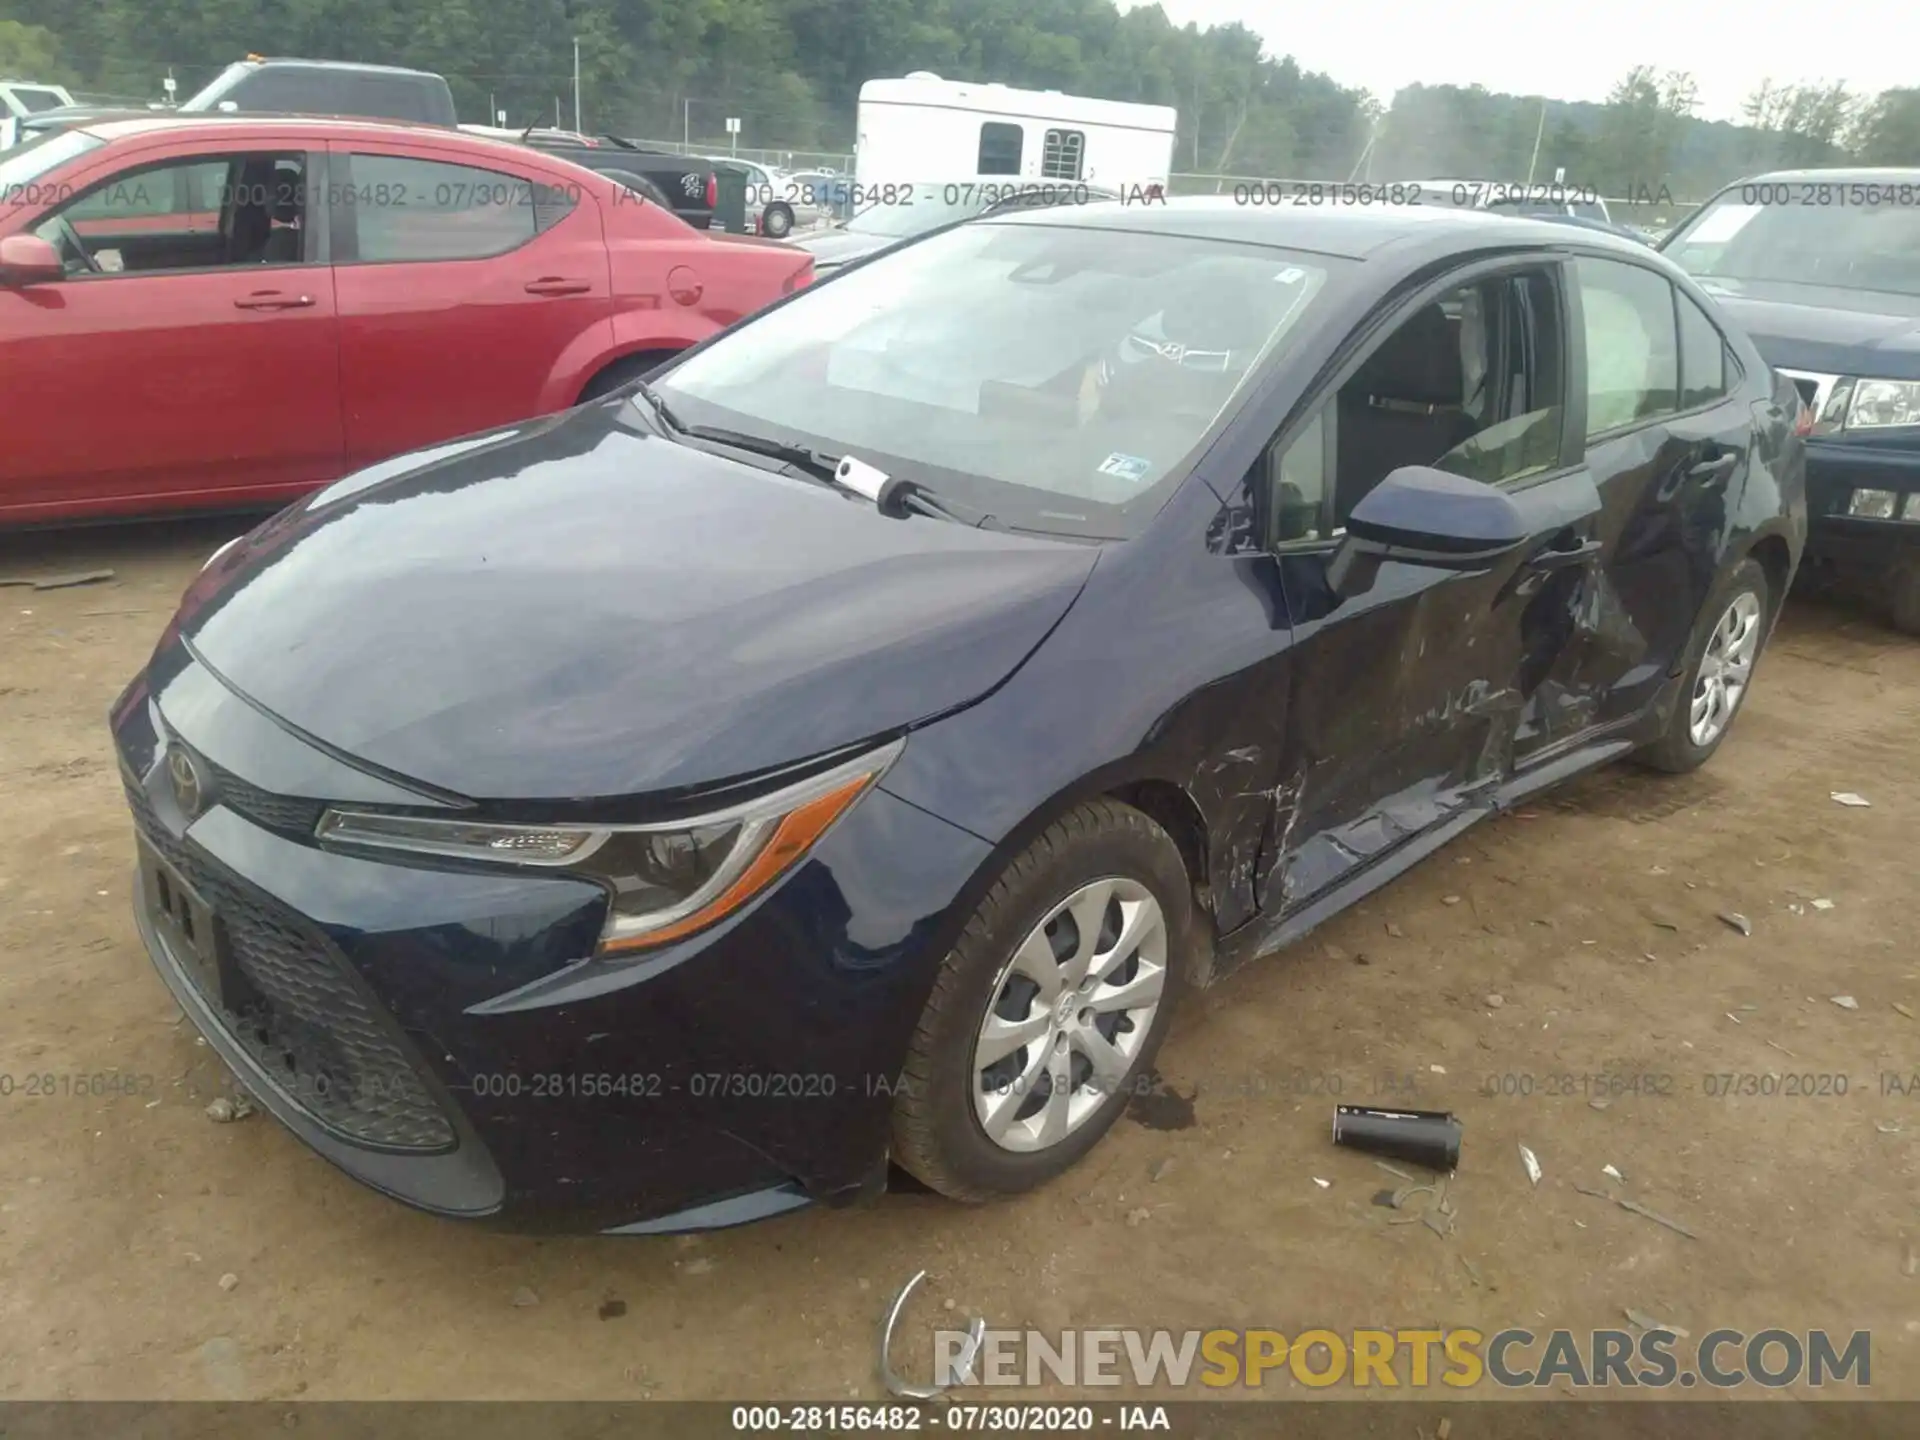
x=1421, y=516
x=29, y=260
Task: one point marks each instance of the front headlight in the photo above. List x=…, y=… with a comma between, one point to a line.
x=665, y=881
x=1878, y=403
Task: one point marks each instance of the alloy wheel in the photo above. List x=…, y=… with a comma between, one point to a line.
x=1069, y=1012
x=1725, y=669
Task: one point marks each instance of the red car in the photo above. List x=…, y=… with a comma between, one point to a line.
x=228, y=312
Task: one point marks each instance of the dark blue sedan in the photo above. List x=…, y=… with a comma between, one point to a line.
x=848, y=746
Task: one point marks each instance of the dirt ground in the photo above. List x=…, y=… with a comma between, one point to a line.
x=1580, y=938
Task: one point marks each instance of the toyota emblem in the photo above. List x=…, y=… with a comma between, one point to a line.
x=184, y=776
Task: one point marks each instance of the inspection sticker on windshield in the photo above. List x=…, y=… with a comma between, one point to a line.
x=1131, y=468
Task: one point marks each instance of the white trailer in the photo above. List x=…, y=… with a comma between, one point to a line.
x=923, y=128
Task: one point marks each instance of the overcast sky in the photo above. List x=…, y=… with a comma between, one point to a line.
x=1570, y=51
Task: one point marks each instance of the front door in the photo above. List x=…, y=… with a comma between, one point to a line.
x=190, y=355
x=1405, y=700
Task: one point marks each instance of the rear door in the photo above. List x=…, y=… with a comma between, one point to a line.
x=1668, y=444
x=471, y=294
x=189, y=357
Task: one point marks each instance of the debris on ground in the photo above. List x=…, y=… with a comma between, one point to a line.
x=1598, y=1104
x=1647, y=1322
x=229, y=1280
x=1494, y=1002
x=612, y=1309
x=1912, y=1267
x=1160, y=1168
x=1138, y=1214
x=1735, y=920
x=524, y=1297
x=1395, y=931
x=1674, y=1225
x=1609, y=1170
x=962, y=1364
x=1823, y=904
x=1845, y=1002
x=1847, y=797
x=225, y=1109
x=1903, y=1009
x=1532, y=1162
x=58, y=582
x=1421, y=1137
x=1449, y=899
x=1323, y=1184
x=1393, y=1170
x=1473, y=1272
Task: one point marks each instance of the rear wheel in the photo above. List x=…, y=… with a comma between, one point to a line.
x=622, y=372
x=1736, y=619
x=777, y=221
x=1046, y=1014
x=1904, y=600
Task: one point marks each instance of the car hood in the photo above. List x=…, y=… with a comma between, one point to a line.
x=838, y=247
x=1825, y=329
x=576, y=608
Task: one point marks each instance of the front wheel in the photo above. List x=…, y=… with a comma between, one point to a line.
x=1738, y=615
x=777, y=221
x=1046, y=1014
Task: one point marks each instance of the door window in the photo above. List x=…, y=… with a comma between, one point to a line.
x=1703, y=356
x=197, y=213
x=401, y=209
x=1061, y=155
x=1470, y=383
x=999, y=148
x=1632, y=344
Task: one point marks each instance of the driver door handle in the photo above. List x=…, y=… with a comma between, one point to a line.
x=272, y=300
x=1716, y=470
x=558, y=285
x=1559, y=558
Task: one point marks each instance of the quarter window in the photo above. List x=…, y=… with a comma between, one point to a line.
x=999, y=148
x=1632, y=344
x=1061, y=156
x=1703, y=356
x=400, y=209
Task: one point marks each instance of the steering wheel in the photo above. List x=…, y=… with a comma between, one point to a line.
x=70, y=238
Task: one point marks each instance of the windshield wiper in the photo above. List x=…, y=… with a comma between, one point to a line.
x=895, y=495
x=892, y=496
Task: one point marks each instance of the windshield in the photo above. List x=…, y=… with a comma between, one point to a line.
x=1751, y=232
x=916, y=209
x=33, y=101
x=31, y=159
x=1053, y=377
x=210, y=95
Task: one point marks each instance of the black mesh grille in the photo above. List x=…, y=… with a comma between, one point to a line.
x=1809, y=389
x=286, y=813
x=303, y=1017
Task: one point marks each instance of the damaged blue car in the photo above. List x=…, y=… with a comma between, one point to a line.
x=846, y=746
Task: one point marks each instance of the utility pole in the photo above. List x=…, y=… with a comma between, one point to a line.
x=686, y=121
x=1540, y=130
x=576, y=86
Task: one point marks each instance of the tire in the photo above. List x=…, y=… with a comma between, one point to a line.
x=621, y=372
x=1903, y=585
x=940, y=1134
x=1744, y=594
x=776, y=221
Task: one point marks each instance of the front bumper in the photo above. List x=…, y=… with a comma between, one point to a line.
x=442, y=1034
x=1834, y=472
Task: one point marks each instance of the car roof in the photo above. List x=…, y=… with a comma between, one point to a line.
x=123, y=125
x=353, y=65
x=1849, y=175
x=1350, y=231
